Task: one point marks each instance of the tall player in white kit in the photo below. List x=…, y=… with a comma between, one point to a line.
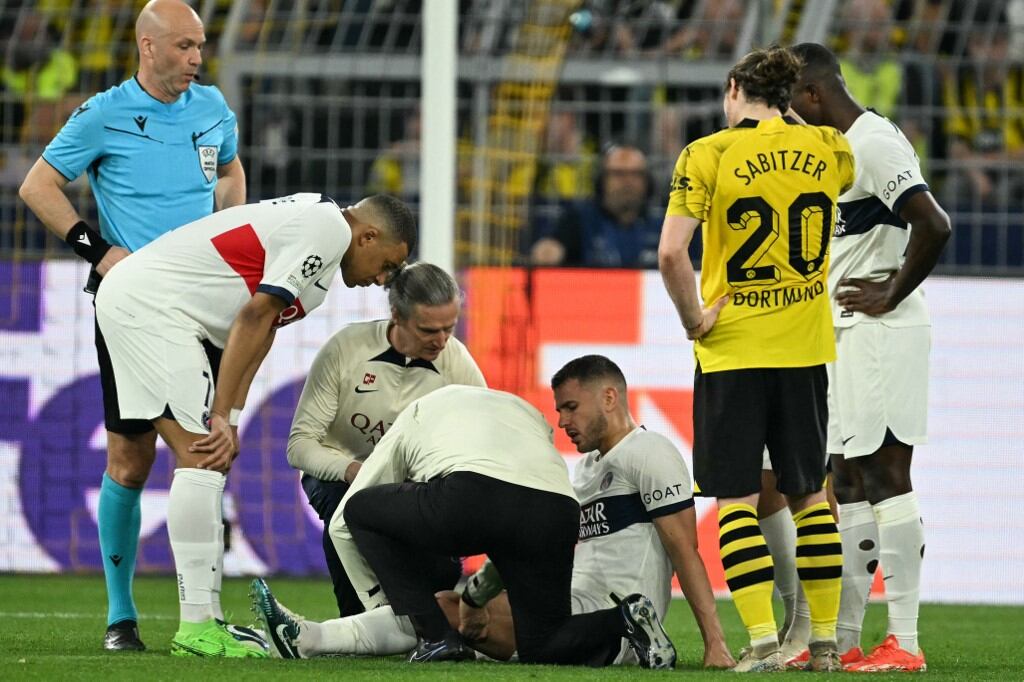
x=889, y=238
x=230, y=279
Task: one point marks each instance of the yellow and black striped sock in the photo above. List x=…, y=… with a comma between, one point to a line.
x=749, y=570
x=819, y=565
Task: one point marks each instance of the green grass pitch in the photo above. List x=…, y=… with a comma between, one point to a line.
x=51, y=629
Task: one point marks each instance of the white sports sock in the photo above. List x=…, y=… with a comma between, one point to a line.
x=859, y=534
x=780, y=535
x=901, y=540
x=800, y=630
x=378, y=633
x=218, y=577
x=194, y=527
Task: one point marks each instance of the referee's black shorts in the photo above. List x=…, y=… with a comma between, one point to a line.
x=736, y=413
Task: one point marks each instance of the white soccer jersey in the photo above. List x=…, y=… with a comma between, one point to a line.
x=468, y=428
x=621, y=493
x=870, y=238
x=357, y=386
x=455, y=428
x=200, y=275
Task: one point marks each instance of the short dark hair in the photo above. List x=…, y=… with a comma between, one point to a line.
x=767, y=75
x=816, y=61
x=588, y=368
x=421, y=284
x=398, y=219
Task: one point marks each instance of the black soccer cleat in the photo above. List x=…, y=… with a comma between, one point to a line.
x=645, y=634
x=123, y=636
x=451, y=649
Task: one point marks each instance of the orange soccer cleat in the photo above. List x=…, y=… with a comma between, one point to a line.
x=889, y=657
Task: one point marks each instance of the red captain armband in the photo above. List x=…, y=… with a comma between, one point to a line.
x=87, y=242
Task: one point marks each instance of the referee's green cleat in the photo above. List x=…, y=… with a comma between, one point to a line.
x=211, y=640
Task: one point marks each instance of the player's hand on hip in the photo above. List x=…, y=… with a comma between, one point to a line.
x=865, y=296
x=220, y=447
x=113, y=255
x=717, y=656
x=708, y=319
x=473, y=622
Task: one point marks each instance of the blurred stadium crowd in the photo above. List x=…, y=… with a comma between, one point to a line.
x=327, y=94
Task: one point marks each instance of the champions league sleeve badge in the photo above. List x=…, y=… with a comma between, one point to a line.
x=208, y=161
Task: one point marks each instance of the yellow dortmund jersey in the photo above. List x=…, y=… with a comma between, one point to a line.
x=766, y=193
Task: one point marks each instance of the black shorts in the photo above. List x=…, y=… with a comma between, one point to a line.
x=736, y=413
x=111, y=412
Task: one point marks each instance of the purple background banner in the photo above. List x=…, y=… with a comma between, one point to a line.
x=52, y=440
x=55, y=427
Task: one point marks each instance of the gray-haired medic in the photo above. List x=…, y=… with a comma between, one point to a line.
x=359, y=382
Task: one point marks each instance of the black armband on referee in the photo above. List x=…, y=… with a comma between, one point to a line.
x=87, y=242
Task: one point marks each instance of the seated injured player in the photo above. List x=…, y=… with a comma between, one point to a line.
x=637, y=520
x=643, y=478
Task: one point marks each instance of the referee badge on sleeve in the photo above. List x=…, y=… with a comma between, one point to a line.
x=208, y=161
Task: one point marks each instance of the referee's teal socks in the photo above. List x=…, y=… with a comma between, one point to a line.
x=119, y=518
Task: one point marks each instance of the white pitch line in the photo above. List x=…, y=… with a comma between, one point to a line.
x=71, y=616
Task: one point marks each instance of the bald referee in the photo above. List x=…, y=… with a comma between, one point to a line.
x=160, y=151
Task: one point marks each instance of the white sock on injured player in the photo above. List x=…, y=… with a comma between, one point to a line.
x=194, y=527
x=375, y=633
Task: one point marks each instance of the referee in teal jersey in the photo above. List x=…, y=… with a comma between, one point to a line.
x=160, y=151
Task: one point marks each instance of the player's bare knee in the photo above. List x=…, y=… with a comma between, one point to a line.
x=847, y=484
x=129, y=477
x=847, y=489
x=884, y=484
x=798, y=503
x=130, y=458
x=770, y=500
x=886, y=473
